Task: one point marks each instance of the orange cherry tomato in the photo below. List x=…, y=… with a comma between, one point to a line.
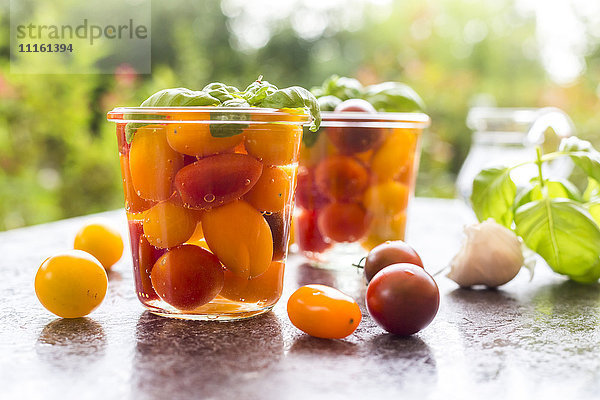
x=272, y=190
x=240, y=236
x=100, y=240
x=266, y=288
x=274, y=144
x=153, y=163
x=196, y=140
x=168, y=224
x=395, y=155
x=341, y=177
x=387, y=198
x=323, y=312
x=133, y=202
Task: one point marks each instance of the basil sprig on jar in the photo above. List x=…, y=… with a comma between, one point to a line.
x=384, y=97
x=258, y=94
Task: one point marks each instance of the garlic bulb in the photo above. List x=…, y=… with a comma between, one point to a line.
x=491, y=255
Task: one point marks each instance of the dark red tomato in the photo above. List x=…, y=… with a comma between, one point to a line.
x=308, y=195
x=388, y=253
x=343, y=222
x=144, y=257
x=216, y=180
x=355, y=105
x=355, y=139
x=402, y=299
x=187, y=276
x=280, y=231
x=341, y=177
x=308, y=237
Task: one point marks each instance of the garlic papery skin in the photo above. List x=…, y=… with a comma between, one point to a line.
x=491, y=255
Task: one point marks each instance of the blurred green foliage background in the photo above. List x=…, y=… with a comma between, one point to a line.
x=58, y=154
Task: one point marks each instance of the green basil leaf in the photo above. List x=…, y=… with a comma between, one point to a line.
x=295, y=97
x=236, y=102
x=180, y=97
x=221, y=91
x=583, y=155
x=257, y=91
x=556, y=189
x=493, y=195
x=394, y=97
x=309, y=138
x=232, y=127
x=592, y=191
x=343, y=88
x=564, y=234
x=132, y=127
x=329, y=102
x=594, y=209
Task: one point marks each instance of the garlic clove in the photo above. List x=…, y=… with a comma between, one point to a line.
x=491, y=255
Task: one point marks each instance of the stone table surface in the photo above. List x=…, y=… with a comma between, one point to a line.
x=535, y=339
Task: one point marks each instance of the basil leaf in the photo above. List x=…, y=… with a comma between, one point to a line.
x=564, y=234
x=180, y=97
x=583, y=155
x=309, y=138
x=295, y=97
x=257, y=91
x=343, y=88
x=132, y=127
x=594, y=209
x=221, y=91
x=592, y=191
x=394, y=97
x=329, y=102
x=232, y=127
x=493, y=195
x=556, y=189
x=236, y=102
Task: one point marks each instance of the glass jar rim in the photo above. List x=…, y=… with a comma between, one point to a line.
x=293, y=116
x=375, y=120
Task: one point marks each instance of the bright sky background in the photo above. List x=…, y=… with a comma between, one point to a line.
x=564, y=31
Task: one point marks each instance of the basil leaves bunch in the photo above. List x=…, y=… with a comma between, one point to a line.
x=553, y=217
x=385, y=97
x=258, y=94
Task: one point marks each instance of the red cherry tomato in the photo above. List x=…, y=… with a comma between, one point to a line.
x=388, y=253
x=343, y=222
x=402, y=299
x=187, y=277
x=324, y=312
x=217, y=180
x=355, y=139
x=308, y=236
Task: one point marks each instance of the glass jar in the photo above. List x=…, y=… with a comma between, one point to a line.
x=208, y=195
x=355, y=182
x=507, y=136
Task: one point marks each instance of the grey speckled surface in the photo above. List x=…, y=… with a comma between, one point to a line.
x=537, y=339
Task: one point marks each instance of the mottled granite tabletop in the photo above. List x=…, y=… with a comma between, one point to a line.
x=532, y=339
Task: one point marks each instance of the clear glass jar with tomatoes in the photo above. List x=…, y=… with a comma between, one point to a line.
x=209, y=196
x=355, y=180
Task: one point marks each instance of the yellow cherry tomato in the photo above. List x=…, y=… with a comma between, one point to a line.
x=153, y=163
x=71, y=284
x=167, y=224
x=395, y=155
x=100, y=240
x=273, y=144
x=272, y=190
x=196, y=140
x=387, y=198
x=385, y=227
x=240, y=237
x=323, y=311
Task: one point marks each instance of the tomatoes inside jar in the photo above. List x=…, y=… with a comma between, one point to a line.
x=355, y=181
x=209, y=208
